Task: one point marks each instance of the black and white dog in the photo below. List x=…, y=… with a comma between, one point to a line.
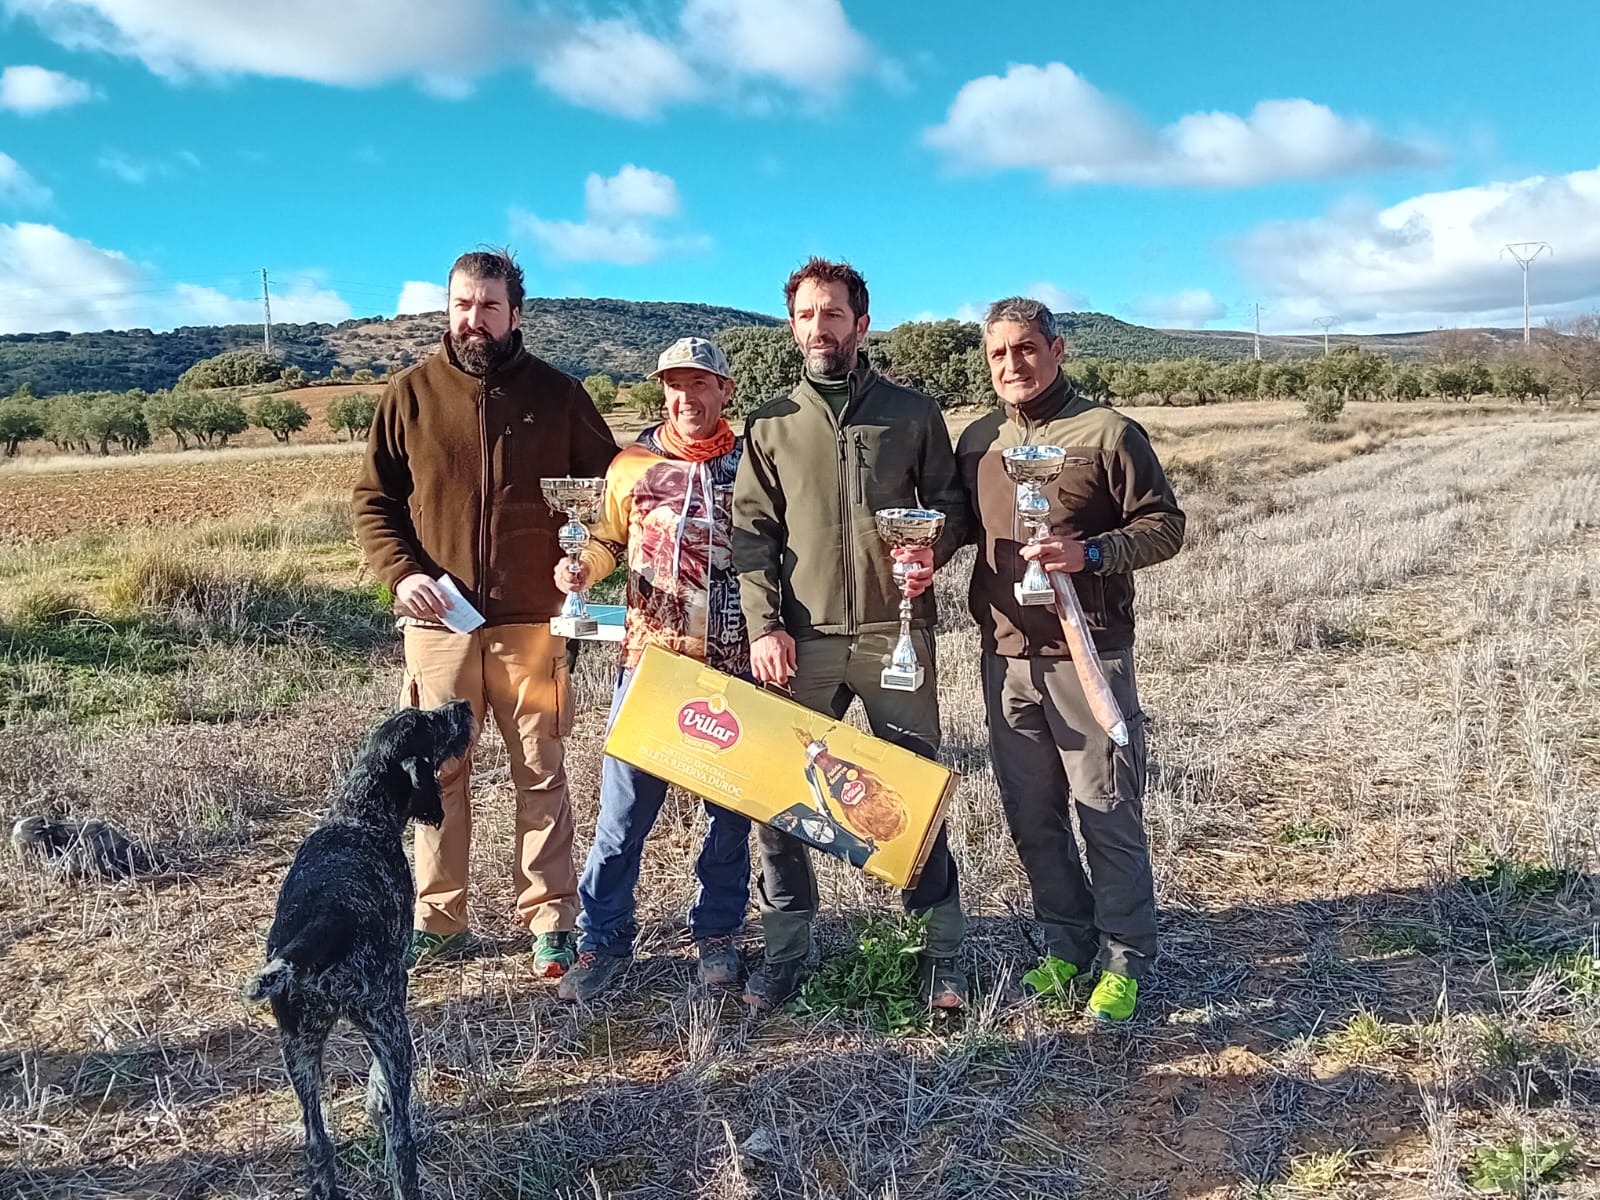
x=339, y=938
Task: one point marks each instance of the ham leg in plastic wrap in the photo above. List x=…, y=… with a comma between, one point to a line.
x=1101, y=702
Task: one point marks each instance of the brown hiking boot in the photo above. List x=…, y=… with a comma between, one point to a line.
x=772, y=984
x=720, y=964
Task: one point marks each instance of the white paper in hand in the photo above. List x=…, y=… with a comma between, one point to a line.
x=460, y=616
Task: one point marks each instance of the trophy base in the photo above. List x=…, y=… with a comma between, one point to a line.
x=574, y=627
x=897, y=679
x=1030, y=596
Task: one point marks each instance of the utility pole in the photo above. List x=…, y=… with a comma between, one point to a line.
x=266, y=316
x=1325, y=322
x=1525, y=253
x=1258, y=330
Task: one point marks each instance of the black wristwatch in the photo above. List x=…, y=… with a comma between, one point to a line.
x=1092, y=557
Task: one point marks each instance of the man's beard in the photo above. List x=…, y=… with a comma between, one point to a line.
x=478, y=354
x=831, y=362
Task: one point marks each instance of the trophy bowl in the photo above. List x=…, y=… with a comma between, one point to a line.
x=579, y=498
x=915, y=527
x=1031, y=468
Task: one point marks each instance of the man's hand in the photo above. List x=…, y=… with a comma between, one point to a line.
x=918, y=567
x=417, y=595
x=567, y=582
x=772, y=657
x=1057, y=554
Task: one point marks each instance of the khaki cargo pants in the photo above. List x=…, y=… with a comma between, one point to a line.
x=518, y=674
x=1054, y=764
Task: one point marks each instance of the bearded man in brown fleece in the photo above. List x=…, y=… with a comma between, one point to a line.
x=450, y=489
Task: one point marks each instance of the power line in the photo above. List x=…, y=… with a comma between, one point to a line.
x=1525, y=253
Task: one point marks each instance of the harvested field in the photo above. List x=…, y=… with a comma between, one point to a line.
x=1372, y=678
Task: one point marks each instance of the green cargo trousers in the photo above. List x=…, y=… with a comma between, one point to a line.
x=1052, y=762
x=830, y=672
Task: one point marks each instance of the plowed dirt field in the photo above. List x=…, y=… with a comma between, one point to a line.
x=36, y=506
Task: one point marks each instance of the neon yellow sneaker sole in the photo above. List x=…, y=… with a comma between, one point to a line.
x=1114, y=997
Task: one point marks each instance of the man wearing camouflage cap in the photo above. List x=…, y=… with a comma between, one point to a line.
x=668, y=516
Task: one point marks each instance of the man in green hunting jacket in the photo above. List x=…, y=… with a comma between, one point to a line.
x=1112, y=512
x=820, y=600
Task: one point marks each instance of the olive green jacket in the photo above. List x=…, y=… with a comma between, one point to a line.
x=805, y=542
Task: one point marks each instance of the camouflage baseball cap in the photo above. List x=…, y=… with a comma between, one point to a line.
x=697, y=354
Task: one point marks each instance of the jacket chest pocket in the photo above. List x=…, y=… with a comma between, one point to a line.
x=1077, y=492
x=880, y=466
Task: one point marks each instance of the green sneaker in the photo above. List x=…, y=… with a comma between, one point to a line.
x=429, y=947
x=554, y=953
x=1113, y=997
x=1052, y=977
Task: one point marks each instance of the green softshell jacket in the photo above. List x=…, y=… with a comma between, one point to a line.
x=805, y=542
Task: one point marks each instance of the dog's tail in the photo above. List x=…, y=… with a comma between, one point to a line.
x=273, y=981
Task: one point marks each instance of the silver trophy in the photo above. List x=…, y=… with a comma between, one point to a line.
x=1030, y=468
x=906, y=527
x=580, y=500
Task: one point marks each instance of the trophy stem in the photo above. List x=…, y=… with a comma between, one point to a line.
x=904, y=673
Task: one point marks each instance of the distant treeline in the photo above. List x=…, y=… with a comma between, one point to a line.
x=206, y=406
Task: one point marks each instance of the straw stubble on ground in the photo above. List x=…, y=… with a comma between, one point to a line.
x=1375, y=763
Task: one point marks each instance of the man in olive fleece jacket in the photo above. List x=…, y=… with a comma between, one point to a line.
x=1112, y=512
x=450, y=486
x=819, y=594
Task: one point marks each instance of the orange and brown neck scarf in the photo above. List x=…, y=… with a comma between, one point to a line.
x=697, y=450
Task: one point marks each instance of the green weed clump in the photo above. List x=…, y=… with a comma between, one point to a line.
x=878, y=976
x=1517, y=1169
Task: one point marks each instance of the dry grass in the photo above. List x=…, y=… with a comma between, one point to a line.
x=1373, y=807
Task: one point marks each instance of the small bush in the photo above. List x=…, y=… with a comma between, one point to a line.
x=1323, y=406
x=353, y=414
x=647, y=399
x=281, y=416
x=602, y=390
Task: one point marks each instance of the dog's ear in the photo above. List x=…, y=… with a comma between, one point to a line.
x=426, y=801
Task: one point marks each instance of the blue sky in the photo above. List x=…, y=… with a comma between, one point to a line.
x=1170, y=164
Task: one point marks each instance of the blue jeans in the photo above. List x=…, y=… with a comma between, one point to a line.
x=630, y=800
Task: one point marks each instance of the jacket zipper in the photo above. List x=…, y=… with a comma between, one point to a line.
x=846, y=541
x=480, y=568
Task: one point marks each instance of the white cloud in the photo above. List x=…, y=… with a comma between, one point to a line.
x=616, y=67
x=631, y=192
x=1191, y=309
x=1057, y=300
x=1434, y=259
x=135, y=170
x=303, y=301
x=808, y=45
x=1053, y=120
x=420, y=296
x=50, y=279
x=354, y=43
x=718, y=49
x=30, y=90
x=621, y=215
x=19, y=187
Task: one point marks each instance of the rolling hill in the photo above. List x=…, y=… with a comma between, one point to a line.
x=617, y=337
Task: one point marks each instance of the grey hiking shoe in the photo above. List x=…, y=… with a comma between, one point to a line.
x=773, y=983
x=591, y=974
x=719, y=961
x=944, y=983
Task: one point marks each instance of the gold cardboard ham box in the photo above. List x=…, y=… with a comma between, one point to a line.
x=837, y=789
